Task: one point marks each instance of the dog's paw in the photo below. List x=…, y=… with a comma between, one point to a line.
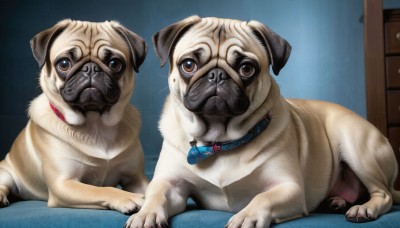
x=146, y=219
x=128, y=203
x=360, y=214
x=3, y=201
x=249, y=219
x=337, y=205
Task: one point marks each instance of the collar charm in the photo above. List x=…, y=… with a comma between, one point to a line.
x=199, y=153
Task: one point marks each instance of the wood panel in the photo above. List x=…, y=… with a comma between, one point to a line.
x=374, y=64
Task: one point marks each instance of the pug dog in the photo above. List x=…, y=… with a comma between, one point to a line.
x=82, y=139
x=233, y=143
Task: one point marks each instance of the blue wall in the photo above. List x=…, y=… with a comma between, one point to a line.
x=326, y=61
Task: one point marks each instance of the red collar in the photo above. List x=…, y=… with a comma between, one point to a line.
x=57, y=112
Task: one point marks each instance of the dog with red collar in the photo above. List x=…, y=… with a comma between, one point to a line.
x=82, y=139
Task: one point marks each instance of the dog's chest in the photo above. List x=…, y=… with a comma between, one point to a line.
x=230, y=186
x=99, y=171
x=96, y=173
x=232, y=197
x=101, y=163
x=98, y=141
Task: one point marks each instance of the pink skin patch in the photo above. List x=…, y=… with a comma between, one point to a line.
x=347, y=186
x=346, y=191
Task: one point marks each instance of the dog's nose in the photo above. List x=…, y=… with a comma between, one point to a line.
x=90, y=69
x=217, y=75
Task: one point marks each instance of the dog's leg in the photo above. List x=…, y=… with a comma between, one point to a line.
x=380, y=200
x=71, y=193
x=374, y=163
x=163, y=199
x=283, y=202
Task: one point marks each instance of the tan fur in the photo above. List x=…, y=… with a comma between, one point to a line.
x=282, y=174
x=79, y=162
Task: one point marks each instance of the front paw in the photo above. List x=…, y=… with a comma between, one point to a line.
x=3, y=196
x=250, y=218
x=128, y=203
x=147, y=219
x=3, y=201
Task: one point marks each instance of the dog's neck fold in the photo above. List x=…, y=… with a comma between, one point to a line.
x=197, y=154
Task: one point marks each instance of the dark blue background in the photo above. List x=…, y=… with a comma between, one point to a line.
x=327, y=60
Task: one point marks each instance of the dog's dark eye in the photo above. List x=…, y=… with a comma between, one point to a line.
x=64, y=64
x=246, y=70
x=188, y=66
x=115, y=65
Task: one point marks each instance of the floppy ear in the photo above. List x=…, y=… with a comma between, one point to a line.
x=136, y=44
x=164, y=41
x=41, y=42
x=278, y=49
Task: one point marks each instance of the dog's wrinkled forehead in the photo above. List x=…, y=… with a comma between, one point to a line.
x=81, y=39
x=220, y=38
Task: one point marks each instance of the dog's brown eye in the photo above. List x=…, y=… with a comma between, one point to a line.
x=247, y=70
x=189, y=66
x=115, y=65
x=64, y=64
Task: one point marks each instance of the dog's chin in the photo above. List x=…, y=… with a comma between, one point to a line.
x=93, y=108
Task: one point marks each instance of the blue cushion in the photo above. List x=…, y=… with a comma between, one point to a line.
x=210, y=219
x=37, y=214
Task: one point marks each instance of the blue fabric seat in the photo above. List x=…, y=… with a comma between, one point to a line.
x=37, y=214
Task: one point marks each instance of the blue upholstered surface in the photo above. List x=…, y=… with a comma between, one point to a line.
x=37, y=214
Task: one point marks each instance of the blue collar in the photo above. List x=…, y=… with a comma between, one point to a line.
x=197, y=154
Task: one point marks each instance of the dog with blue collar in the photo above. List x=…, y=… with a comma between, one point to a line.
x=232, y=142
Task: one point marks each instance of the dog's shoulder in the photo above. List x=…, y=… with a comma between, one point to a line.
x=40, y=113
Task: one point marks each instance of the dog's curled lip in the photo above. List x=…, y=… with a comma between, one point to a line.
x=90, y=94
x=91, y=99
x=216, y=105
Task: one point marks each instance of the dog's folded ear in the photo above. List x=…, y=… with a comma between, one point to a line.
x=278, y=49
x=41, y=42
x=136, y=45
x=165, y=40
